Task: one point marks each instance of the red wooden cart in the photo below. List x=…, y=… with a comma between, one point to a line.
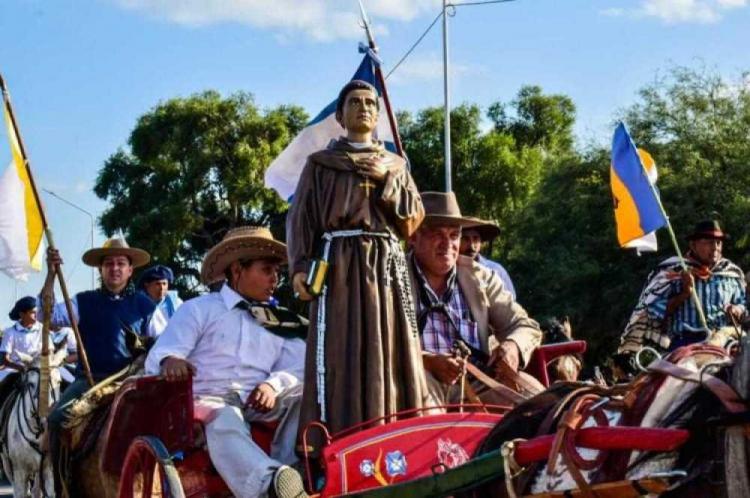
x=155, y=442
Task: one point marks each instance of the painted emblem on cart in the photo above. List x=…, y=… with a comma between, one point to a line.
x=451, y=454
x=395, y=463
x=367, y=468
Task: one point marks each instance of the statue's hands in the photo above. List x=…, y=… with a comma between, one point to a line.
x=174, y=369
x=505, y=355
x=299, y=284
x=262, y=399
x=372, y=167
x=443, y=367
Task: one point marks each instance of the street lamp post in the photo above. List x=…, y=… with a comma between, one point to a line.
x=91, y=217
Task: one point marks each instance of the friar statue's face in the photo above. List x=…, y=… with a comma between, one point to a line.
x=360, y=112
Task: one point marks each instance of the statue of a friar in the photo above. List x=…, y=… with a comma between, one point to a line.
x=354, y=203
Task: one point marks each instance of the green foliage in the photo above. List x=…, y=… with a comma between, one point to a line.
x=564, y=254
x=697, y=127
x=194, y=170
x=537, y=120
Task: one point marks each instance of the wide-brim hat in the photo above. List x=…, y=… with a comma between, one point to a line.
x=23, y=305
x=488, y=230
x=441, y=208
x=708, y=229
x=240, y=243
x=116, y=246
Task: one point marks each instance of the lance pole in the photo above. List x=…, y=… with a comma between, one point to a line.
x=381, y=80
x=673, y=237
x=82, y=357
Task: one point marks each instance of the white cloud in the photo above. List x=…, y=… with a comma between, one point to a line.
x=322, y=20
x=679, y=11
x=429, y=68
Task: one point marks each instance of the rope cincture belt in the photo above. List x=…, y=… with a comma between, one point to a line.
x=320, y=364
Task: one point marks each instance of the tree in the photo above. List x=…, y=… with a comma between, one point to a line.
x=696, y=124
x=195, y=169
x=564, y=253
x=495, y=172
x=536, y=119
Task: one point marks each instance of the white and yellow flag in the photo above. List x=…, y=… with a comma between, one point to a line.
x=21, y=228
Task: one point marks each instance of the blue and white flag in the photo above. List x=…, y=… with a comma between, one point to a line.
x=284, y=172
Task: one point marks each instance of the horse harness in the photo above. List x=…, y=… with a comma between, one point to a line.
x=632, y=400
x=23, y=395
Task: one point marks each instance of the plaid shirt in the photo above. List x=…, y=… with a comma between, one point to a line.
x=443, y=319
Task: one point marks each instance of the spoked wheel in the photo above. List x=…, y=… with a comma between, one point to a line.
x=148, y=471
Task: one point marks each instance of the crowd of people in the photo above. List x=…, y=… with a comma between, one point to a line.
x=401, y=299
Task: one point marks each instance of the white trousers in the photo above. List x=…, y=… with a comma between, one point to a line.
x=243, y=465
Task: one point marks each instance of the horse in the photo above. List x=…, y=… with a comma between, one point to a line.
x=25, y=462
x=567, y=367
x=688, y=390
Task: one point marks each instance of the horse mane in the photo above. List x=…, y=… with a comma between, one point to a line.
x=699, y=413
x=524, y=420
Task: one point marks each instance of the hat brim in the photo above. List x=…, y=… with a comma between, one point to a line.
x=137, y=257
x=708, y=235
x=446, y=220
x=487, y=231
x=225, y=252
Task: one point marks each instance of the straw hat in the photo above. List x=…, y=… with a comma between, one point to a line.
x=441, y=208
x=488, y=230
x=240, y=243
x=116, y=246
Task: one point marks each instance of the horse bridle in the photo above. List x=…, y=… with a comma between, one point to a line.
x=27, y=398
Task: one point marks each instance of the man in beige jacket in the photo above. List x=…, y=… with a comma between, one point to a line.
x=456, y=298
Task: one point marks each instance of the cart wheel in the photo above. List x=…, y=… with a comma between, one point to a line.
x=148, y=471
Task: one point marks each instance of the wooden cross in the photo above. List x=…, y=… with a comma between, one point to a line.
x=367, y=186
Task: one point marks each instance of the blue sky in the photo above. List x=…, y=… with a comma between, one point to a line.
x=82, y=71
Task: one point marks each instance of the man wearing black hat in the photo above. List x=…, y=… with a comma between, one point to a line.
x=155, y=282
x=666, y=316
x=458, y=299
x=22, y=339
x=472, y=238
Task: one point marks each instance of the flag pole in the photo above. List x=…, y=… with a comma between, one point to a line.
x=83, y=358
x=673, y=237
x=381, y=80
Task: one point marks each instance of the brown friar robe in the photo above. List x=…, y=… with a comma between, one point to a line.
x=372, y=355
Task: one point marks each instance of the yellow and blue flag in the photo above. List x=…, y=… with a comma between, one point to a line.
x=632, y=173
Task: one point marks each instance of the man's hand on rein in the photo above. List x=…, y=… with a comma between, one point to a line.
x=508, y=354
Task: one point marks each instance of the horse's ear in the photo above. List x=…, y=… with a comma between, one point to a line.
x=25, y=358
x=61, y=343
x=58, y=357
x=567, y=327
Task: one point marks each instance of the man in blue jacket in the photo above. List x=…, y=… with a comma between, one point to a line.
x=105, y=316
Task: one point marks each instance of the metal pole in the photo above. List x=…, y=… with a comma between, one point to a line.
x=91, y=218
x=447, y=104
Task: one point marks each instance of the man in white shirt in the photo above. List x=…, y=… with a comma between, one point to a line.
x=246, y=356
x=24, y=337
